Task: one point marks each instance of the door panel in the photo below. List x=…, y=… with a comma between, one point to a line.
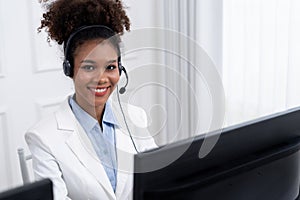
x=32, y=83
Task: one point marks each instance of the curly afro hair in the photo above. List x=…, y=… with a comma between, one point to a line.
x=63, y=17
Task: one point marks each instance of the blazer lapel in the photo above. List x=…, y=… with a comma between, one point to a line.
x=125, y=155
x=81, y=146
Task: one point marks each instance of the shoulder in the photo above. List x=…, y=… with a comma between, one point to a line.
x=132, y=113
x=137, y=115
x=47, y=123
x=48, y=126
x=135, y=118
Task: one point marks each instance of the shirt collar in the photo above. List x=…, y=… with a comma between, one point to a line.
x=109, y=116
x=86, y=120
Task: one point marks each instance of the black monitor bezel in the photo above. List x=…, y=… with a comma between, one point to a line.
x=38, y=190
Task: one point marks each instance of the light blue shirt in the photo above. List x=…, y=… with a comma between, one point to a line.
x=103, y=141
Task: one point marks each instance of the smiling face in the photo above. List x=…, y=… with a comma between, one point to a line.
x=95, y=75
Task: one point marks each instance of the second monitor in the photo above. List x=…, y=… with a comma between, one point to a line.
x=254, y=160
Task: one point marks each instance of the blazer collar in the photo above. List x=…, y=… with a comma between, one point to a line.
x=65, y=117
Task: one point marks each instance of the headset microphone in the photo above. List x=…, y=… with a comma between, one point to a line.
x=123, y=89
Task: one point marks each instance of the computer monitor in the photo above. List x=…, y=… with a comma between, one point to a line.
x=39, y=190
x=254, y=160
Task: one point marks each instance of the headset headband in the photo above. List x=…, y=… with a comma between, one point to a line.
x=110, y=32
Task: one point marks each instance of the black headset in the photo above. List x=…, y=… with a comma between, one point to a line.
x=69, y=69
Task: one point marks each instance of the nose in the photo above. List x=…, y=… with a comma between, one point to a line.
x=101, y=77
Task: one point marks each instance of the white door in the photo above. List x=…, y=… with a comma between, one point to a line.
x=31, y=81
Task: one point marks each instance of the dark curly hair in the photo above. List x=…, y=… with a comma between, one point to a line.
x=63, y=17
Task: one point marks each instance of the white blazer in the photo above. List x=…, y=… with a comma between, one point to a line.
x=62, y=151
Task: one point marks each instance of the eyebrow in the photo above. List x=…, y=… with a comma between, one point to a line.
x=93, y=62
x=88, y=61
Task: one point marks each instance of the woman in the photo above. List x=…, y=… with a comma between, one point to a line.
x=86, y=147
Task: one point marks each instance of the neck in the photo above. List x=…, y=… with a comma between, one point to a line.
x=96, y=112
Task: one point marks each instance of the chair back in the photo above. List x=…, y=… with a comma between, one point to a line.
x=23, y=165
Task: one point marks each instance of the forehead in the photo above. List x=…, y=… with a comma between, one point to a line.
x=96, y=49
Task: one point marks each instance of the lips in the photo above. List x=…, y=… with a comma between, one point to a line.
x=99, y=91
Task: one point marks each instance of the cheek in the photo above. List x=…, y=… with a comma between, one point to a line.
x=77, y=77
x=80, y=80
x=115, y=78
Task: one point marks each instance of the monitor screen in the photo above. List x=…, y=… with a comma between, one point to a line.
x=254, y=160
x=39, y=190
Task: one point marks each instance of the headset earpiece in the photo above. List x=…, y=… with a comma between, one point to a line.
x=67, y=68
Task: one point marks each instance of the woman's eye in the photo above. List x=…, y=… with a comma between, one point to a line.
x=88, y=67
x=111, y=67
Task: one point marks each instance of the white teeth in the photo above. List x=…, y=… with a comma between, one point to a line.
x=100, y=90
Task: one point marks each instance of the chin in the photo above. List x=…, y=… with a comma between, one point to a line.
x=99, y=103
